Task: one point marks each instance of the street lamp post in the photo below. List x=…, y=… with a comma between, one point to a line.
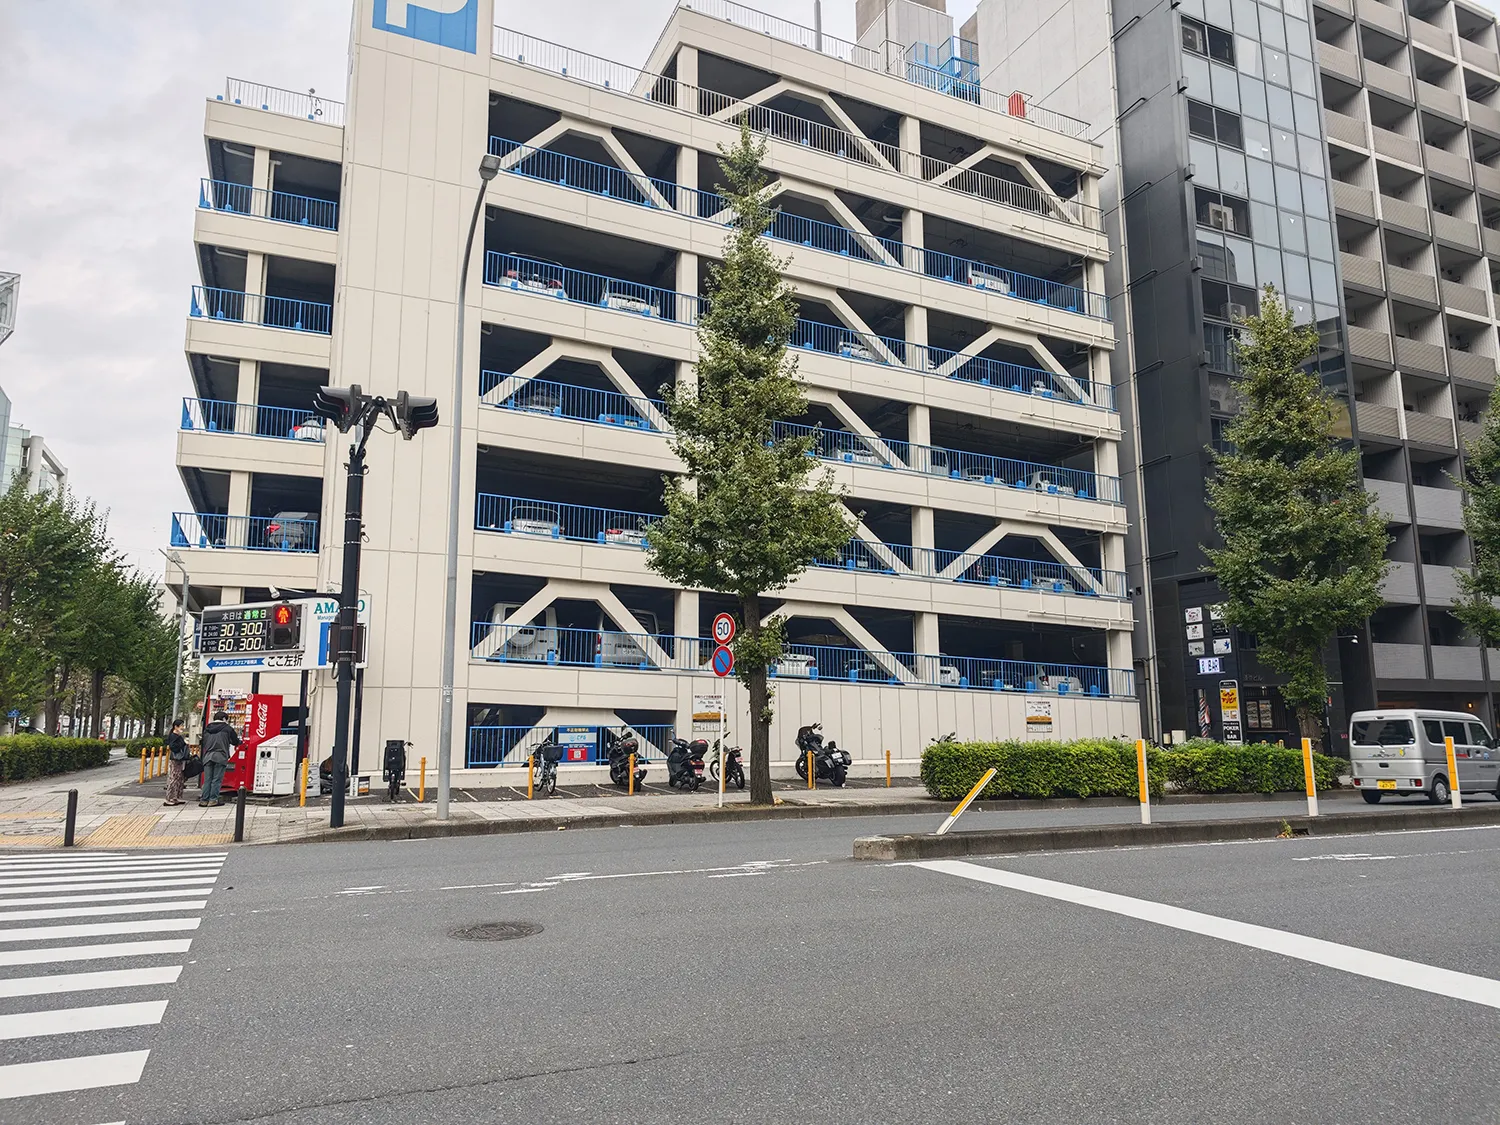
x=182, y=609
x=488, y=168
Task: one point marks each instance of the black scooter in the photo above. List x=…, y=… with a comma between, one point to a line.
x=734, y=769
x=831, y=763
x=545, y=758
x=685, y=764
x=619, y=748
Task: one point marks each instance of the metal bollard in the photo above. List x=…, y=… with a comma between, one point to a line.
x=239, y=814
x=887, y=769
x=632, y=775
x=530, y=776
x=303, y=802
x=143, y=765
x=422, y=785
x=72, y=819
x=812, y=772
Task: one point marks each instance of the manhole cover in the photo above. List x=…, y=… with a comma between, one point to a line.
x=496, y=931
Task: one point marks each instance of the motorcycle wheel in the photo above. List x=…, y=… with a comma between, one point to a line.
x=713, y=769
x=838, y=778
x=802, y=766
x=739, y=779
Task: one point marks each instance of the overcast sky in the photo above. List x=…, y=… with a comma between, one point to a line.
x=101, y=151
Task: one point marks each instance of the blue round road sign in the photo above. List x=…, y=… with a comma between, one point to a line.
x=723, y=661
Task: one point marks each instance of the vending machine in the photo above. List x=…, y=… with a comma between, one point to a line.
x=262, y=722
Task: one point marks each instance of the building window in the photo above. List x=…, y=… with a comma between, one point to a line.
x=1222, y=212
x=1215, y=125
x=1210, y=42
x=1228, y=302
x=1222, y=446
x=1219, y=343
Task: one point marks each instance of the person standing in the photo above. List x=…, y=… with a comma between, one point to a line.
x=219, y=738
x=177, y=758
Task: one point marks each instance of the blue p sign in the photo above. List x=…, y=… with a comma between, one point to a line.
x=448, y=23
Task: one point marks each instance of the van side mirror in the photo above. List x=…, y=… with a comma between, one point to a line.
x=1492, y=743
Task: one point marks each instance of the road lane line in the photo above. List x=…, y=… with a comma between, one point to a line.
x=85, y=1072
x=99, y=911
x=67, y=1021
x=84, y=982
x=97, y=929
x=99, y=952
x=1348, y=958
x=124, y=896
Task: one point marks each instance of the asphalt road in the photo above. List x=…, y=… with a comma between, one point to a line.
x=753, y=973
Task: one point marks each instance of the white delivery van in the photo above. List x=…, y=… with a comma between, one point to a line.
x=533, y=642
x=1403, y=752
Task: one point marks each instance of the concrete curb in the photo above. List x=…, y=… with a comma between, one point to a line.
x=1012, y=841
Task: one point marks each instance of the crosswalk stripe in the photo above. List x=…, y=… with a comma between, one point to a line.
x=97, y=929
x=123, y=870
x=99, y=911
x=85, y=1072
x=53, y=864
x=95, y=857
x=56, y=983
x=111, y=877
x=66, y=1021
x=49, y=888
x=98, y=952
x=123, y=896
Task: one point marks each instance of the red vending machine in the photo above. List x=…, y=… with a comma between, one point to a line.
x=262, y=721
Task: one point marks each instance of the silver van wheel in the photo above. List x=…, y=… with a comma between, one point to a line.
x=1439, y=794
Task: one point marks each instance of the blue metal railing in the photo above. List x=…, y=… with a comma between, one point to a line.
x=606, y=180
x=564, y=400
x=534, y=275
x=519, y=515
x=250, y=533
x=512, y=745
x=253, y=308
x=594, y=648
x=244, y=418
x=281, y=206
x=1045, y=576
x=292, y=103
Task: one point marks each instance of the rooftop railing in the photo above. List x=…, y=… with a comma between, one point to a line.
x=288, y=103
x=280, y=206
x=254, y=308
x=661, y=90
x=646, y=652
x=211, y=530
x=546, y=519
x=213, y=416
x=1012, y=105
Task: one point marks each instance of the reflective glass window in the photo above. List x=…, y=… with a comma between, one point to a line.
x=1253, y=97
x=1298, y=279
x=1279, y=106
x=1262, y=181
x=1257, y=138
x=1276, y=66
x=1294, y=233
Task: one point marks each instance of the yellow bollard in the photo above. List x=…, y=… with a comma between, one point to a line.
x=143, y=765
x=1310, y=776
x=1141, y=771
x=422, y=785
x=305, y=760
x=887, y=769
x=530, y=776
x=1453, y=794
x=812, y=772
x=632, y=775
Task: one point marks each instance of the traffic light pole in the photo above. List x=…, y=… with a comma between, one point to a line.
x=348, y=616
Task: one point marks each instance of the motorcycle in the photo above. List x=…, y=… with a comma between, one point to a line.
x=619, y=748
x=734, y=768
x=830, y=763
x=544, y=759
x=685, y=764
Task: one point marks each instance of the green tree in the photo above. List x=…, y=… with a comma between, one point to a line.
x=1302, y=553
x=151, y=671
x=1479, y=586
x=748, y=516
x=112, y=612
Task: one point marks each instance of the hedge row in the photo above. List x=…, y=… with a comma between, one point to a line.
x=1107, y=768
x=134, y=746
x=35, y=755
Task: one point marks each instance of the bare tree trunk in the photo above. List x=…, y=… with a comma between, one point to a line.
x=760, y=712
x=1311, y=725
x=52, y=709
x=96, y=704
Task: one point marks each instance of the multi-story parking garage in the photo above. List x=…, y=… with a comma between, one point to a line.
x=946, y=248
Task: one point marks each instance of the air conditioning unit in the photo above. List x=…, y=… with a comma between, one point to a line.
x=1220, y=217
x=1237, y=312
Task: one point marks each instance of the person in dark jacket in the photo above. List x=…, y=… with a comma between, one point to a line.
x=177, y=758
x=219, y=738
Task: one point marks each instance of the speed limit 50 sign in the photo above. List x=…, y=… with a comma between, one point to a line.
x=723, y=629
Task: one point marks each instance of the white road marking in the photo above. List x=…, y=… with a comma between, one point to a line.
x=67, y=1021
x=84, y=982
x=108, y=865
x=1348, y=958
x=99, y=911
x=10, y=882
x=97, y=929
x=124, y=896
x=103, y=857
x=86, y=1072
x=50, y=888
x=99, y=952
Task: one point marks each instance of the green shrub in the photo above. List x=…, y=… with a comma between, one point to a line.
x=134, y=746
x=1107, y=768
x=35, y=755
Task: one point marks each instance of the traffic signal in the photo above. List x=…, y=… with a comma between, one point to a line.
x=340, y=405
x=285, y=621
x=415, y=412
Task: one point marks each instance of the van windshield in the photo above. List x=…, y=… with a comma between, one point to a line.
x=1383, y=732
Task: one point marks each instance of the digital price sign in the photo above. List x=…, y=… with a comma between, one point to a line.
x=250, y=629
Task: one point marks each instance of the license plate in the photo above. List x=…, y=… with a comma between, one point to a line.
x=1384, y=784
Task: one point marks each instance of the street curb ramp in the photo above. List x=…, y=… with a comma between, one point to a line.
x=1012, y=841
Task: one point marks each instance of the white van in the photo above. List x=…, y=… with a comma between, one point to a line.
x=533, y=642
x=1405, y=752
x=616, y=648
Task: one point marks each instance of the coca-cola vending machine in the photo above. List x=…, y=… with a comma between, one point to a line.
x=262, y=721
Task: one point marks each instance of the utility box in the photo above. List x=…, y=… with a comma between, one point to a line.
x=276, y=766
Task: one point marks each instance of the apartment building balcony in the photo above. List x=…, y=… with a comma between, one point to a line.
x=1346, y=129
x=1390, y=82
x=1486, y=179
x=1383, y=16
x=1430, y=35
x=1393, y=146
x=1410, y=217
x=1409, y=285
x=1476, y=54
x=1468, y=432
x=1376, y=421
x=1400, y=584
x=1339, y=62
x=1362, y=273
x=1471, y=367
x=1438, y=507
x=1418, y=355
x=1489, y=239
x=1429, y=429
x=255, y=308
x=1460, y=232
x=1440, y=584
x=1465, y=298
x=1399, y=662
x=277, y=206
x=1344, y=8
x=1483, y=117
x=1439, y=100
x=1389, y=497
x=1456, y=662
x=1353, y=200
x=1371, y=346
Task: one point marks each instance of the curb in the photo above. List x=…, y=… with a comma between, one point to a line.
x=1012, y=841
